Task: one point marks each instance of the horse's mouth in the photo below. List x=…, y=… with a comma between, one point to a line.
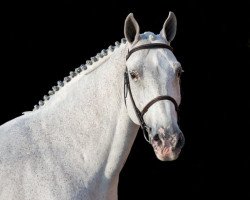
x=166, y=153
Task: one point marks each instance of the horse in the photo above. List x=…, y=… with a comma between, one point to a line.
x=74, y=143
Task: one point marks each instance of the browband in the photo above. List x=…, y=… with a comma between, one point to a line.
x=149, y=46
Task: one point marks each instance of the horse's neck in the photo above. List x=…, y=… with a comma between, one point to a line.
x=88, y=116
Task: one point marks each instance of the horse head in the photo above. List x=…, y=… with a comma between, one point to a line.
x=152, y=86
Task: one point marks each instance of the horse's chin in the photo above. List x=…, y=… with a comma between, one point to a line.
x=167, y=154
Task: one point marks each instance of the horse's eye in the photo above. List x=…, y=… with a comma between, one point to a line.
x=179, y=72
x=134, y=75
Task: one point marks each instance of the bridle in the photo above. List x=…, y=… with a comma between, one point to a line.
x=140, y=114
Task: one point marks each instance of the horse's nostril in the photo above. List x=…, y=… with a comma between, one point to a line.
x=156, y=137
x=180, y=142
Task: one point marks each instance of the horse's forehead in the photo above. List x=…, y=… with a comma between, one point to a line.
x=161, y=60
x=161, y=57
x=157, y=56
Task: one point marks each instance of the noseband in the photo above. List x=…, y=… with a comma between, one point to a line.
x=140, y=114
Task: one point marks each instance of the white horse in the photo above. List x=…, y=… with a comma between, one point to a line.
x=73, y=145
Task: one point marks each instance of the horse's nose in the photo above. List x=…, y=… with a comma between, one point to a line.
x=156, y=137
x=180, y=141
x=177, y=140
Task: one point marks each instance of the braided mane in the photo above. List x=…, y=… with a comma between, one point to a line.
x=77, y=71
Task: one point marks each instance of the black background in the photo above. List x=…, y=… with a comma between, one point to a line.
x=42, y=41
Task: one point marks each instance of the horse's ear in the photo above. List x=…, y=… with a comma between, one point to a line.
x=131, y=29
x=169, y=27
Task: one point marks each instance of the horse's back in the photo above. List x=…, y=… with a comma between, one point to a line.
x=14, y=141
x=15, y=149
x=21, y=163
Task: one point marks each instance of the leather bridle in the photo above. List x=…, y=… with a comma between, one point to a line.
x=140, y=114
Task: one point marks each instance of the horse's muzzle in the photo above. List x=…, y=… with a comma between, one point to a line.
x=166, y=146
